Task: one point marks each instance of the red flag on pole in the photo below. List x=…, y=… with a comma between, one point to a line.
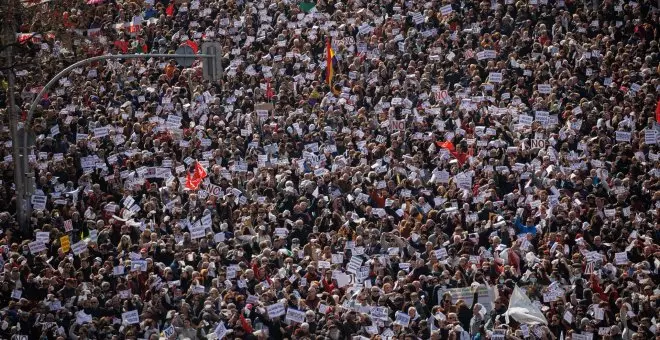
x=170, y=9
x=446, y=145
x=246, y=326
x=657, y=112
x=195, y=179
x=461, y=157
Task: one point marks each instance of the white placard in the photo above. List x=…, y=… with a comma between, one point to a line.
x=36, y=247
x=537, y=143
x=130, y=318
x=622, y=136
x=495, y=77
x=79, y=247
x=402, y=319
x=525, y=119
x=39, y=202
x=446, y=10
x=621, y=258
x=295, y=315
x=397, y=125
x=544, y=88
x=275, y=310
x=43, y=236
x=118, y=270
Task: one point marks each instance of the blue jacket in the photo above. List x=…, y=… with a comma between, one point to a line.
x=523, y=229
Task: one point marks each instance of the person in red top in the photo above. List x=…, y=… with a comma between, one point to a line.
x=327, y=282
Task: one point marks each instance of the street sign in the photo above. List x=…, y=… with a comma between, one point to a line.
x=185, y=61
x=212, y=67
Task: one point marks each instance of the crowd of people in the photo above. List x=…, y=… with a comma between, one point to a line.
x=445, y=169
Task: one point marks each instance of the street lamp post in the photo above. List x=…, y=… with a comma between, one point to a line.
x=210, y=61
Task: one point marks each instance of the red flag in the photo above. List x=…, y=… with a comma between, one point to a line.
x=246, y=326
x=461, y=157
x=269, y=90
x=657, y=112
x=446, y=145
x=170, y=9
x=192, y=45
x=195, y=179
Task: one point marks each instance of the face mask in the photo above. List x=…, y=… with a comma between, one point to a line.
x=532, y=279
x=501, y=281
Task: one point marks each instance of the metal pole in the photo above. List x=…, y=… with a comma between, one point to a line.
x=12, y=113
x=27, y=126
x=73, y=66
x=9, y=36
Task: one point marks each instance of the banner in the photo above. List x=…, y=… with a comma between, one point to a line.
x=486, y=296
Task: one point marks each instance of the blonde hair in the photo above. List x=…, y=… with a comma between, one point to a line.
x=121, y=243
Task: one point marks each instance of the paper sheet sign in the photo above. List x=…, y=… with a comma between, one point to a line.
x=220, y=330
x=65, y=243
x=397, y=125
x=446, y=10
x=622, y=136
x=495, y=77
x=537, y=143
x=544, y=88
x=36, y=247
x=621, y=258
x=402, y=319
x=39, y=202
x=295, y=315
x=130, y=318
x=275, y=310
x=79, y=247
